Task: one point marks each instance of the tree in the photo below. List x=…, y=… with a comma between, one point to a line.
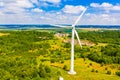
x=65, y=67
x=118, y=73
x=47, y=69
x=41, y=71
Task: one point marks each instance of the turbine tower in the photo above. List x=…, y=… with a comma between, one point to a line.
x=74, y=32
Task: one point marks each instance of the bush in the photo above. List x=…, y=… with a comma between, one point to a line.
x=96, y=71
x=44, y=71
x=106, y=68
x=42, y=60
x=65, y=67
x=118, y=73
x=62, y=61
x=84, y=59
x=90, y=64
x=58, y=73
x=109, y=72
x=102, y=64
x=93, y=70
x=47, y=69
x=41, y=71
x=52, y=60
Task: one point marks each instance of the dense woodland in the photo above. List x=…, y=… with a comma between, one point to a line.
x=24, y=53
x=104, y=54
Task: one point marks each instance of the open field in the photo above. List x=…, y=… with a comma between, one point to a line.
x=84, y=71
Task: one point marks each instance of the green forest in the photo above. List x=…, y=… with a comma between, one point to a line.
x=40, y=55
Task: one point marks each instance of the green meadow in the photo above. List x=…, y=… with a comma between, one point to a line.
x=45, y=55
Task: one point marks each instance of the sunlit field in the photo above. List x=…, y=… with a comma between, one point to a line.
x=45, y=55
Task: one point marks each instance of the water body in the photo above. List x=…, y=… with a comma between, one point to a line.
x=24, y=27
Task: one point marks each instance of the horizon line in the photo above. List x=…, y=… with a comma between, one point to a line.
x=67, y=24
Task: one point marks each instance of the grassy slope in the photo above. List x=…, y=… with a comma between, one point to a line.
x=83, y=71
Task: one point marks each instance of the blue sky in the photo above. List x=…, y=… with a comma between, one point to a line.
x=99, y=12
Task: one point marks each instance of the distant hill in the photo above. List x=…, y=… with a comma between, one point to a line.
x=47, y=26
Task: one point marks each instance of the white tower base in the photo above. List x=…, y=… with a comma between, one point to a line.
x=71, y=72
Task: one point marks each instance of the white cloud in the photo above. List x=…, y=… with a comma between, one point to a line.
x=102, y=19
x=106, y=6
x=73, y=9
x=116, y=7
x=105, y=16
x=60, y=18
x=15, y=6
x=94, y=5
x=1, y=13
x=49, y=3
x=103, y=5
x=37, y=10
x=1, y=4
x=17, y=3
x=53, y=1
x=14, y=11
x=34, y=1
x=23, y=3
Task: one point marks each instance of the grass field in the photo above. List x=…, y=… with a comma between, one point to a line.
x=84, y=70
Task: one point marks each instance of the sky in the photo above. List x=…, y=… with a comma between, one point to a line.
x=99, y=12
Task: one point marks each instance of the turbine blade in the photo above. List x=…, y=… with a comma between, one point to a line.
x=79, y=18
x=61, y=26
x=78, y=38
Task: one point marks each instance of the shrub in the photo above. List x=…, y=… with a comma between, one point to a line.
x=118, y=73
x=90, y=64
x=65, y=67
x=47, y=69
x=62, y=61
x=41, y=71
x=58, y=73
x=52, y=60
x=93, y=70
x=42, y=60
x=84, y=59
x=109, y=72
x=106, y=68
x=102, y=64
x=96, y=71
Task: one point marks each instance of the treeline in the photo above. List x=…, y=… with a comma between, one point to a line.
x=102, y=36
x=107, y=54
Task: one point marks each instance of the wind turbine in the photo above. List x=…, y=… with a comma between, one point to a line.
x=72, y=43
x=74, y=32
